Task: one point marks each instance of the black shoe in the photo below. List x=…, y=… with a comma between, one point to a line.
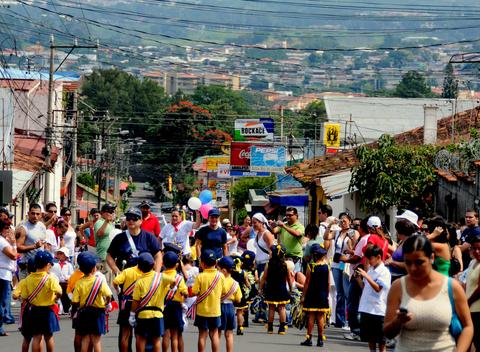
x=270, y=328
x=239, y=332
x=308, y=341
x=319, y=343
x=281, y=329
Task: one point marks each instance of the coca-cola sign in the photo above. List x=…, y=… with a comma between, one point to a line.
x=240, y=156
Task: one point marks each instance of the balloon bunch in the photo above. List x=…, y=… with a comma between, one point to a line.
x=202, y=203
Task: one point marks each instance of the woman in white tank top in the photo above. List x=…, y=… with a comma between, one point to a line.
x=263, y=241
x=418, y=307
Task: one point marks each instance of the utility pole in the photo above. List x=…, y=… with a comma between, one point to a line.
x=49, y=128
x=281, y=123
x=73, y=191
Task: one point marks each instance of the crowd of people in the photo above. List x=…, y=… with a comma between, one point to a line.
x=417, y=290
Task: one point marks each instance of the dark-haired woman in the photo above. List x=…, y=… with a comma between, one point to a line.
x=438, y=234
x=418, y=306
x=405, y=228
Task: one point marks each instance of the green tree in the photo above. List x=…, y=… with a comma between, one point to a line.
x=310, y=118
x=239, y=192
x=450, y=84
x=393, y=175
x=413, y=85
x=86, y=179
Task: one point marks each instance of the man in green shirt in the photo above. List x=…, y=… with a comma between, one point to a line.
x=290, y=234
x=102, y=229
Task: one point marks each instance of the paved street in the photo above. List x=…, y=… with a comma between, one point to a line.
x=255, y=339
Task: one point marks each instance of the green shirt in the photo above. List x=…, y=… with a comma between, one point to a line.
x=293, y=244
x=102, y=243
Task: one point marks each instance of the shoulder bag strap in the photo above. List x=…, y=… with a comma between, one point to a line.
x=257, y=239
x=132, y=244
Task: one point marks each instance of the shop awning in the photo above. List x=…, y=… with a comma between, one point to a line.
x=336, y=185
x=296, y=197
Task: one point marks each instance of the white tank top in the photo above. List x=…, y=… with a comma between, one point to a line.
x=261, y=257
x=428, y=329
x=34, y=233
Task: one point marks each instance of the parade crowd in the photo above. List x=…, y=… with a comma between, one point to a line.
x=414, y=289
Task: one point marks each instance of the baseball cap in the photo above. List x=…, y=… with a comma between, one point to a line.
x=43, y=258
x=225, y=221
x=64, y=250
x=172, y=247
x=108, y=207
x=5, y=211
x=374, y=221
x=214, y=212
x=248, y=257
x=94, y=211
x=226, y=262
x=144, y=203
x=86, y=262
x=277, y=250
x=410, y=216
x=318, y=249
x=208, y=257
x=170, y=259
x=145, y=262
x=134, y=211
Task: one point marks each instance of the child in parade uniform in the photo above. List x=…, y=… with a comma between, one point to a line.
x=231, y=293
x=16, y=294
x=315, y=293
x=126, y=280
x=63, y=269
x=275, y=279
x=248, y=264
x=241, y=276
x=91, y=295
x=39, y=293
x=208, y=288
x=173, y=312
x=148, y=302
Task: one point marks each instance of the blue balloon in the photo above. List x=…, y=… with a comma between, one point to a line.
x=205, y=196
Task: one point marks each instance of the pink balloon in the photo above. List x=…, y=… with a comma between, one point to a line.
x=204, y=209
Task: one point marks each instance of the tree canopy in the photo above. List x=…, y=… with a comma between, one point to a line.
x=392, y=175
x=413, y=85
x=450, y=85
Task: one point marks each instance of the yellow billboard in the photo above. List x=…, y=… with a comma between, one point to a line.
x=331, y=136
x=213, y=161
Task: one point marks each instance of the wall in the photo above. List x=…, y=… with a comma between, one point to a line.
x=454, y=198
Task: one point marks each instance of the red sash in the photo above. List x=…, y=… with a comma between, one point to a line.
x=157, y=278
x=127, y=293
x=232, y=291
x=193, y=309
x=174, y=289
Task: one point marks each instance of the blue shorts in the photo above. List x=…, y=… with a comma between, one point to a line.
x=228, y=318
x=90, y=321
x=173, y=316
x=150, y=328
x=207, y=323
x=43, y=321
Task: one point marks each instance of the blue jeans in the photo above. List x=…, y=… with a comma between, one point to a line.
x=342, y=284
x=4, y=301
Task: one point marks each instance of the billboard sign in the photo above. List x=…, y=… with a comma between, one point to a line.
x=254, y=129
x=234, y=173
x=223, y=171
x=240, y=156
x=267, y=158
x=213, y=161
x=331, y=137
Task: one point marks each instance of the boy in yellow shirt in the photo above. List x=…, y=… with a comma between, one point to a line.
x=231, y=292
x=126, y=280
x=91, y=295
x=40, y=291
x=208, y=288
x=173, y=312
x=147, y=306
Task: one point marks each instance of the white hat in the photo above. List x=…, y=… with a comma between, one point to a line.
x=410, y=216
x=225, y=221
x=335, y=228
x=64, y=250
x=260, y=217
x=374, y=221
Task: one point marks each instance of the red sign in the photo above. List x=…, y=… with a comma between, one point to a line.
x=240, y=156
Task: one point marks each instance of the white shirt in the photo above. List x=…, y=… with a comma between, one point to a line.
x=169, y=235
x=7, y=265
x=373, y=302
x=69, y=239
x=232, y=247
x=63, y=274
x=51, y=239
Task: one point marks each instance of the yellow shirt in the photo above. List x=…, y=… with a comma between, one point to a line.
x=210, y=306
x=84, y=286
x=127, y=277
x=17, y=292
x=182, y=286
x=46, y=297
x=193, y=252
x=141, y=289
x=77, y=275
x=227, y=286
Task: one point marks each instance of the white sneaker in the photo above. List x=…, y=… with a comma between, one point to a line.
x=352, y=337
x=346, y=328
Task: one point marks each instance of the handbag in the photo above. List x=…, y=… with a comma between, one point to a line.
x=455, y=327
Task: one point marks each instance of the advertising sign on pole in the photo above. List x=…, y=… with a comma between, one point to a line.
x=267, y=158
x=240, y=156
x=331, y=137
x=234, y=173
x=254, y=129
x=223, y=171
x=213, y=161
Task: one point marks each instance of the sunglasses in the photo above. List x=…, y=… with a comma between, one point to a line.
x=51, y=211
x=68, y=214
x=132, y=218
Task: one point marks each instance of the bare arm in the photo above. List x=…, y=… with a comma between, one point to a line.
x=290, y=230
x=305, y=286
x=198, y=247
x=111, y=263
x=198, y=220
x=101, y=230
x=463, y=312
x=21, y=235
x=158, y=261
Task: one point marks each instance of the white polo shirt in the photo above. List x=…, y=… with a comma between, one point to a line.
x=376, y=302
x=7, y=265
x=180, y=236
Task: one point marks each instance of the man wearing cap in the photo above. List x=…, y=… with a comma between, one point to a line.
x=128, y=245
x=30, y=237
x=178, y=231
x=149, y=221
x=212, y=236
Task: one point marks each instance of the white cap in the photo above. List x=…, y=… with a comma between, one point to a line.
x=225, y=221
x=410, y=216
x=374, y=221
x=330, y=219
x=64, y=250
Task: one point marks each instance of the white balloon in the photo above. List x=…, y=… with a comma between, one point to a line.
x=194, y=203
